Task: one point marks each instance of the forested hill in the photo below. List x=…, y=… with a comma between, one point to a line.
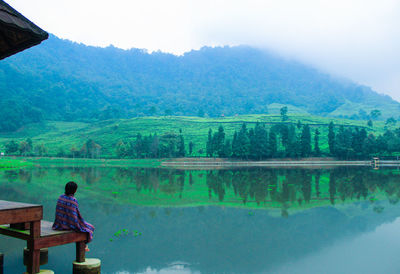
x=61, y=80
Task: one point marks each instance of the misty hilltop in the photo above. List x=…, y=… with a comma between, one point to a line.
x=62, y=80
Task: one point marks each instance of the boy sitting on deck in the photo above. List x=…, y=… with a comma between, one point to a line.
x=68, y=216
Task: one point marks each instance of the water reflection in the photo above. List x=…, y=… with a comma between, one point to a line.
x=284, y=189
x=244, y=233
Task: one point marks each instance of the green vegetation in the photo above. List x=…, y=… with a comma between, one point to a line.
x=13, y=163
x=257, y=137
x=65, y=81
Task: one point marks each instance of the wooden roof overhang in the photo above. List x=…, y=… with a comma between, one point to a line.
x=17, y=33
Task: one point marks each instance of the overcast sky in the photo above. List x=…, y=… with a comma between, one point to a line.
x=356, y=39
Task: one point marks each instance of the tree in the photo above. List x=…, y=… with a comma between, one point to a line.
x=272, y=144
x=299, y=124
x=24, y=148
x=30, y=145
x=152, y=110
x=375, y=113
x=60, y=152
x=74, y=151
x=305, y=141
x=90, y=149
x=331, y=138
x=191, y=146
x=317, y=150
x=369, y=123
x=122, y=149
x=227, y=149
x=243, y=142
x=283, y=112
x=390, y=121
x=219, y=141
x=260, y=142
x=209, y=144
x=11, y=147
x=235, y=145
x=40, y=150
x=181, y=146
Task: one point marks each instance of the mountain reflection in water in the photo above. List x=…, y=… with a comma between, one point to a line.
x=218, y=221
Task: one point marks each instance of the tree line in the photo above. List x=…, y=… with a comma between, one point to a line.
x=282, y=140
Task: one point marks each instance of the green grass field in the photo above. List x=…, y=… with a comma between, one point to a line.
x=13, y=163
x=55, y=134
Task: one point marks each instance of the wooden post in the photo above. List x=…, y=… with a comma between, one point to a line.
x=33, y=265
x=44, y=256
x=80, y=252
x=1, y=262
x=89, y=266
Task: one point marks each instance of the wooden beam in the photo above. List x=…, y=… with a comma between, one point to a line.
x=60, y=239
x=16, y=233
x=21, y=215
x=80, y=252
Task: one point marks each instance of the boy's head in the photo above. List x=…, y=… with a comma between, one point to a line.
x=70, y=188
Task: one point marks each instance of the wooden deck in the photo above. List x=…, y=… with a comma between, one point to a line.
x=39, y=234
x=13, y=212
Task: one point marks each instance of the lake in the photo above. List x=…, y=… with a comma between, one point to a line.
x=255, y=220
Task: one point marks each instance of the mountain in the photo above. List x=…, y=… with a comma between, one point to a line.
x=66, y=81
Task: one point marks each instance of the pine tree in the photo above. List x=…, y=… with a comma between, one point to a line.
x=209, y=144
x=244, y=142
x=260, y=142
x=191, y=146
x=235, y=145
x=272, y=144
x=220, y=142
x=284, y=111
x=181, y=146
x=317, y=150
x=331, y=138
x=305, y=141
x=227, y=152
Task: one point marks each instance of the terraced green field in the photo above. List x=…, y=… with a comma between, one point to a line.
x=55, y=134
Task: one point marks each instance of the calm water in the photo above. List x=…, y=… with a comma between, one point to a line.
x=342, y=220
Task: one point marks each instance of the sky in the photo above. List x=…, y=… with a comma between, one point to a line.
x=354, y=39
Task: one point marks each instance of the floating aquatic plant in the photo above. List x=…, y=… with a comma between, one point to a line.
x=125, y=232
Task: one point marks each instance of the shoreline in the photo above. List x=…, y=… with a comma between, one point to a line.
x=205, y=163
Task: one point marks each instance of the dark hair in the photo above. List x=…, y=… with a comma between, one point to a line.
x=70, y=188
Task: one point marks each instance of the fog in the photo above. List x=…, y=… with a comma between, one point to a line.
x=355, y=39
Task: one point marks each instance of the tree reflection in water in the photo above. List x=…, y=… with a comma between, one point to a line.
x=282, y=189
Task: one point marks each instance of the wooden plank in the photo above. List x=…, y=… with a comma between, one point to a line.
x=47, y=229
x=21, y=215
x=61, y=239
x=6, y=205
